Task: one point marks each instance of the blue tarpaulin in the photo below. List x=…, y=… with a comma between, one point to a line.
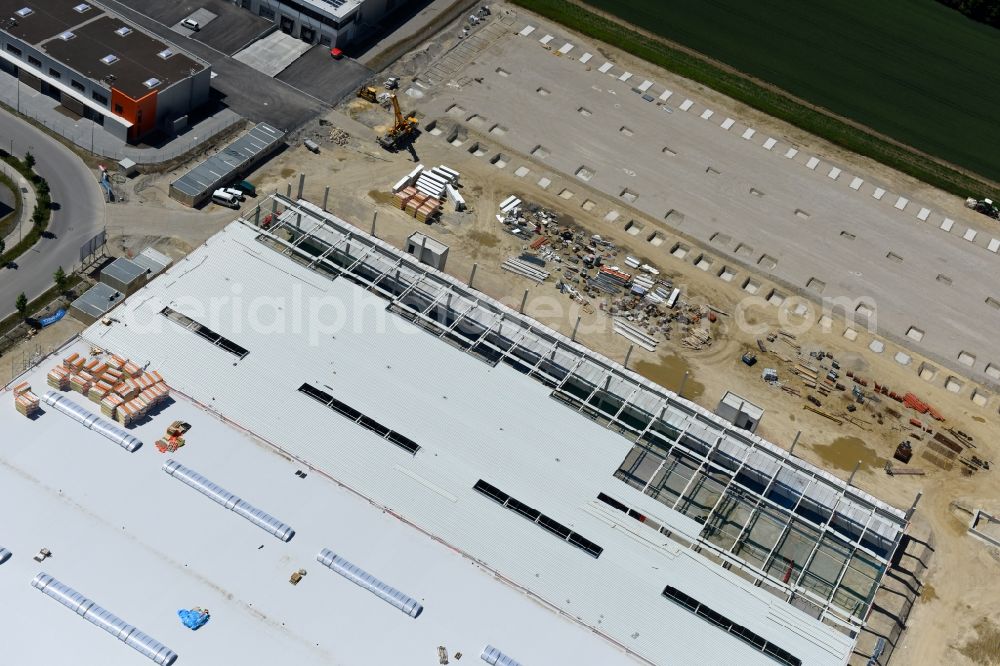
x=48, y=321
x=193, y=619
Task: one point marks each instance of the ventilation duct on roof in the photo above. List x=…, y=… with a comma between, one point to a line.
x=4, y=555
x=228, y=500
x=360, y=577
x=92, y=421
x=495, y=657
x=110, y=623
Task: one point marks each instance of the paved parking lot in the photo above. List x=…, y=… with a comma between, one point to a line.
x=318, y=74
x=230, y=30
x=800, y=219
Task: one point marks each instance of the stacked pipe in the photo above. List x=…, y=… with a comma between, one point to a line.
x=110, y=623
x=228, y=500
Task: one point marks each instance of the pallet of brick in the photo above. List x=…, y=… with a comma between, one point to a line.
x=26, y=403
x=131, y=369
x=70, y=361
x=99, y=391
x=125, y=414
x=157, y=393
x=23, y=387
x=58, y=378
x=157, y=377
x=116, y=362
x=141, y=406
x=110, y=404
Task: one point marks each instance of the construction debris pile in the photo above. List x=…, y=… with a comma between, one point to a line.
x=125, y=392
x=25, y=401
x=645, y=307
x=422, y=191
x=339, y=137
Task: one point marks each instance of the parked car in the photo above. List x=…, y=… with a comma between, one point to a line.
x=191, y=24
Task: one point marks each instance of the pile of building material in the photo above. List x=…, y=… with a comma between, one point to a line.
x=525, y=268
x=417, y=204
x=634, y=334
x=510, y=205
x=121, y=387
x=25, y=401
x=58, y=378
x=339, y=136
x=433, y=184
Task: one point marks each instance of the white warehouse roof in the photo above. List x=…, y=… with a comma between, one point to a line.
x=337, y=376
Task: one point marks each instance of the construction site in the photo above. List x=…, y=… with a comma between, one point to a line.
x=788, y=348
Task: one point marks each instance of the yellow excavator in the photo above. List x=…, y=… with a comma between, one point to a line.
x=404, y=128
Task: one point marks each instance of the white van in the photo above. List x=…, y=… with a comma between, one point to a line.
x=236, y=193
x=191, y=24
x=224, y=198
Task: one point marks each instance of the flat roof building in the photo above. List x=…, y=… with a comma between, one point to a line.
x=325, y=22
x=630, y=511
x=94, y=303
x=124, y=275
x=101, y=67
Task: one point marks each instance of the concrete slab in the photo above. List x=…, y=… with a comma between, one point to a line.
x=546, y=39
x=812, y=163
x=856, y=183
x=947, y=224
x=878, y=194
x=685, y=105
x=834, y=173
x=707, y=113
x=791, y=153
x=924, y=214
x=969, y=235
x=585, y=58
x=770, y=143
x=901, y=203
x=273, y=53
x=727, y=123
x=748, y=133
x=527, y=30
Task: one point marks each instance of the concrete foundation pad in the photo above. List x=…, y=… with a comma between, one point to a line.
x=273, y=53
x=850, y=334
x=954, y=384
x=877, y=346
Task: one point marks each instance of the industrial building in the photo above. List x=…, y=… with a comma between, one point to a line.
x=94, y=303
x=325, y=22
x=458, y=431
x=124, y=275
x=100, y=67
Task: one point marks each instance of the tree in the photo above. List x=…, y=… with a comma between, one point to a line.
x=61, y=280
x=22, y=305
x=29, y=160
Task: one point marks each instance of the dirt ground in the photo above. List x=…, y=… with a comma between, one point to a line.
x=960, y=569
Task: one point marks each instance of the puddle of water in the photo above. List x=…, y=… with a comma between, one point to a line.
x=668, y=372
x=844, y=453
x=380, y=196
x=979, y=419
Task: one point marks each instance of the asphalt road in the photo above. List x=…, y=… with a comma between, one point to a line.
x=80, y=213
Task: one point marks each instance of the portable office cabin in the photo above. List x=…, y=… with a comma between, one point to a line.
x=124, y=275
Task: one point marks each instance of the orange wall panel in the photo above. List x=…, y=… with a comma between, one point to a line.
x=140, y=112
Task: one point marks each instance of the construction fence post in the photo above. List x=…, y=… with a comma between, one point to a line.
x=326, y=197
x=473, y=275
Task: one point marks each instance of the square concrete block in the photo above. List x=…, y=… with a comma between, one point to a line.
x=877, y=346
x=851, y=334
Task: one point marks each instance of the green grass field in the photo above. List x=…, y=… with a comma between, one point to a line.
x=912, y=70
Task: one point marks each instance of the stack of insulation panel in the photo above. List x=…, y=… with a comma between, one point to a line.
x=126, y=413
x=74, y=362
x=26, y=403
x=81, y=382
x=403, y=197
x=128, y=388
x=110, y=404
x=58, y=378
x=99, y=391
